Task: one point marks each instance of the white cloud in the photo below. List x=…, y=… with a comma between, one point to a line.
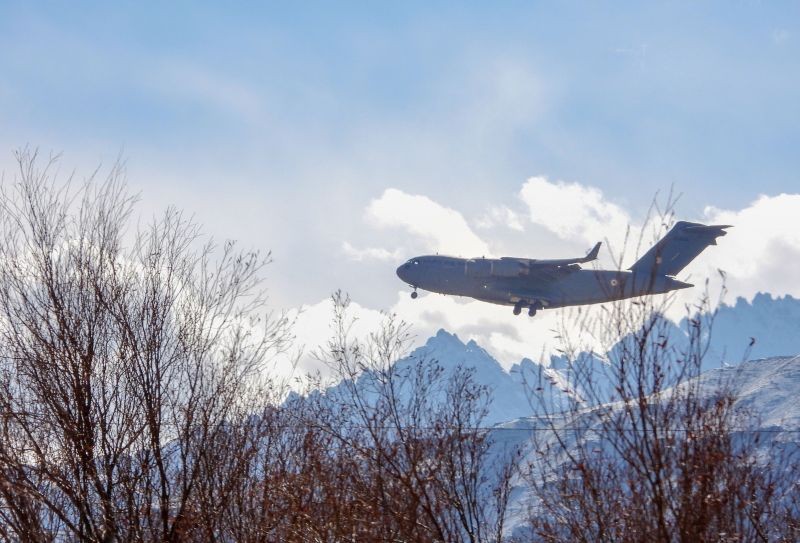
x=507, y=336
x=313, y=328
x=370, y=253
x=761, y=252
x=501, y=215
x=574, y=212
x=439, y=228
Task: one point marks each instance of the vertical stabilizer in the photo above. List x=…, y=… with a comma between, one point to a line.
x=680, y=246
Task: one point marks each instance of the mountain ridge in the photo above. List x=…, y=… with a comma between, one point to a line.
x=763, y=329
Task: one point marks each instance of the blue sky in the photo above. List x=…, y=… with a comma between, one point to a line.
x=701, y=96
x=285, y=124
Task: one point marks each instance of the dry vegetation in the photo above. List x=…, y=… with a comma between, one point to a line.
x=137, y=404
x=645, y=451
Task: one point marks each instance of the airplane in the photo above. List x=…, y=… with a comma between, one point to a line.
x=545, y=284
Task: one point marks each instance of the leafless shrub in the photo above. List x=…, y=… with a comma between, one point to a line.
x=136, y=401
x=646, y=451
x=118, y=368
x=426, y=469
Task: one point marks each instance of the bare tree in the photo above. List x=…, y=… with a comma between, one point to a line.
x=647, y=451
x=119, y=368
x=136, y=402
x=425, y=468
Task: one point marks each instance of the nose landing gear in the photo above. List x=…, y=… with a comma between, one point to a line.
x=414, y=294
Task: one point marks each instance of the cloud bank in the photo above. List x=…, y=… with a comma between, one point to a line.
x=438, y=228
x=761, y=253
x=573, y=211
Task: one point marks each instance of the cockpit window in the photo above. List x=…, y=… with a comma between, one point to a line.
x=416, y=262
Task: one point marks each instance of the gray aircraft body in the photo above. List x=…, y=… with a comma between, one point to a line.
x=538, y=284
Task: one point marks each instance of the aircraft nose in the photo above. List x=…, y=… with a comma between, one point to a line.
x=402, y=271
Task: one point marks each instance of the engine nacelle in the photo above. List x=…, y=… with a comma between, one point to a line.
x=483, y=267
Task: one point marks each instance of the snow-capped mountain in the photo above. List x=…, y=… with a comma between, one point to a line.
x=770, y=324
x=766, y=328
x=530, y=387
x=765, y=387
x=510, y=389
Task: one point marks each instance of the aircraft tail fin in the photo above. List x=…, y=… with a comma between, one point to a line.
x=680, y=246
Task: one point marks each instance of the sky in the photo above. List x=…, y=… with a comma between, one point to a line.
x=348, y=137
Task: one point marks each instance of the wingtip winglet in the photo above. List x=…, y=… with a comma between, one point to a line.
x=594, y=252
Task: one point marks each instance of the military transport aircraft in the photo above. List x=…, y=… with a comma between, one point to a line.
x=539, y=284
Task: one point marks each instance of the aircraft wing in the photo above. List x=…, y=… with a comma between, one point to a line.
x=534, y=264
x=545, y=274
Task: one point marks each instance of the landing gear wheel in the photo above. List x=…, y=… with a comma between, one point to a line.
x=414, y=295
x=518, y=308
x=532, y=310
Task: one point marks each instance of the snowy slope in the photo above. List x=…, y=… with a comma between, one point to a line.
x=772, y=324
x=767, y=389
x=509, y=396
x=766, y=328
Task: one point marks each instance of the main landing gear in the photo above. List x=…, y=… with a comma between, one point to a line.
x=414, y=294
x=532, y=307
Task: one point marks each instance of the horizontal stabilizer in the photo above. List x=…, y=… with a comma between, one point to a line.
x=680, y=246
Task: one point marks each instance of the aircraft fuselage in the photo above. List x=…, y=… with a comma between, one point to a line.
x=538, y=284
x=502, y=282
